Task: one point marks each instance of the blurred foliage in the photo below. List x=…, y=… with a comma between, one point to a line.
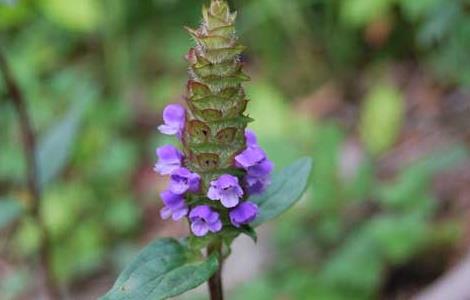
x=96, y=74
x=382, y=116
x=351, y=230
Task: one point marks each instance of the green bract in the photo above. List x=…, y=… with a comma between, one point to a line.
x=215, y=125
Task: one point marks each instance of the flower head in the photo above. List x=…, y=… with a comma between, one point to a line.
x=226, y=189
x=174, y=118
x=244, y=213
x=174, y=206
x=169, y=159
x=204, y=219
x=183, y=180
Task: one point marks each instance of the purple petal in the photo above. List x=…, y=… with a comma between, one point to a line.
x=194, y=182
x=244, y=213
x=171, y=200
x=212, y=217
x=250, y=137
x=226, y=181
x=226, y=189
x=169, y=159
x=173, y=114
x=169, y=129
x=178, y=186
x=216, y=226
x=229, y=200
x=165, y=213
x=199, y=228
x=200, y=211
x=182, y=180
x=262, y=169
x=174, y=118
x=207, y=215
x=213, y=193
x=257, y=185
x=179, y=213
x=250, y=157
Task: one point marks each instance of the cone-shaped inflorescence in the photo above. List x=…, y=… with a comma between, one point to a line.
x=221, y=163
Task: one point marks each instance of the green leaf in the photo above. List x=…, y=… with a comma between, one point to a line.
x=287, y=187
x=10, y=210
x=163, y=269
x=54, y=149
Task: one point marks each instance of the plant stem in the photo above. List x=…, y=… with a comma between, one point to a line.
x=215, y=282
x=29, y=146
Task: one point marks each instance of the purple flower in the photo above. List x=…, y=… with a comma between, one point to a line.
x=169, y=159
x=174, y=118
x=257, y=185
x=174, y=206
x=204, y=219
x=226, y=189
x=250, y=157
x=250, y=137
x=258, y=177
x=183, y=180
x=261, y=169
x=244, y=213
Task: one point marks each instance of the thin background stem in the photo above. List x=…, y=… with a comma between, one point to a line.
x=215, y=282
x=46, y=278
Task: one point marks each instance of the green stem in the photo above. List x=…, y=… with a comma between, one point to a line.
x=215, y=282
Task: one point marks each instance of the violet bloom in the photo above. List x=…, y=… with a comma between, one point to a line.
x=258, y=177
x=174, y=118
x=183, y=180
x=226, y=189
x=257, y=166
x=204, y=219
x=261, y=169
x=169, y=159
x=175, y=207
x=250, y=156
x=244, y=213
x=250, y=137
x=257, y=185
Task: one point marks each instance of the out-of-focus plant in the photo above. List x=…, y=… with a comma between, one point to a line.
x=219, y=182
x=340, y=243
x=44, y=162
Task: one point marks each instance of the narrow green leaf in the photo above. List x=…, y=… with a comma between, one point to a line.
x=250, y=232
x=163, y=269
x=10, y=210
x=55, y=147
x=287, y=187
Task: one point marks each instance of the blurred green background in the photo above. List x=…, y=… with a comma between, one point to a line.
x=376, y=91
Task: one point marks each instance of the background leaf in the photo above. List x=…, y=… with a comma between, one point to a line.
x=54, y=149
x=287, y=187
x=162, y=270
